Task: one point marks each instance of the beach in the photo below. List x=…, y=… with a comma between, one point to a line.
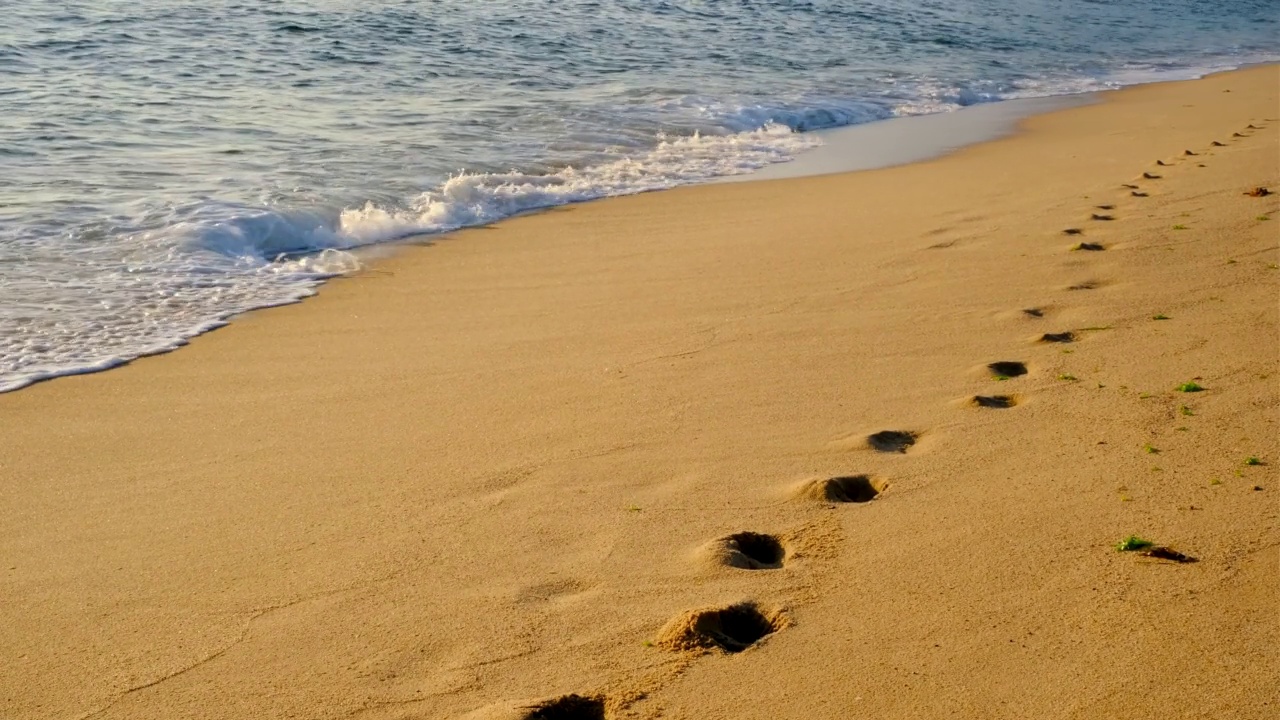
x=505, y=465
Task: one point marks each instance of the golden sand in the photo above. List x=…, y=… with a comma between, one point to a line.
x=510, y=466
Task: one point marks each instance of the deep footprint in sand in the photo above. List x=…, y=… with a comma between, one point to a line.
x=892, y=441
x=843, y=489
x=1086, y=285
x=1007, y=369
x=1150, y=176
x=994, y=401
x=1136, y=193
x=569, y=707
x=731, y=628
x=749, y=551
x=1062, y=337
x=1091, y=247
x=1073, y=231
x=1033, y=312
x=1102, y=217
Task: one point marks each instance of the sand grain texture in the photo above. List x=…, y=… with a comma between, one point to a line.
x=479, y=474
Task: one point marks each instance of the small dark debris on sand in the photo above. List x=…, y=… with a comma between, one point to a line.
x=1258, y=192
x=1160, y=552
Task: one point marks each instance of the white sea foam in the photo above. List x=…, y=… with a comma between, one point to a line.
x=469, y=199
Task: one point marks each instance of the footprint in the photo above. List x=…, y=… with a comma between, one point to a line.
x=1150, y=176
x=568, y=707
x=1062, y=337
x=1086, y=285
x=1105, y=207
x=1033, y=312
x=732, y=628
x=1097, y=216
x=1238, y=135
x=843, y=489
x=1007, y=368
x=1073, y=231
x=994, y=401
x=892, y=440
x=748, y=551
x=1094, y=247
x=1187, y=152
x=1135, y=193
x=552, y=590
x=1215, y=143
x=1162, y=163
x=1128, y=186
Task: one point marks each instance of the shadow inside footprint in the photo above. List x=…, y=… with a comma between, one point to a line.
x=844, y=489
x=1093, y=247
x=1034, y=312
x=1135, y=193
x=892, y=440
x=1007, y=368
x=732, y=629
x=1062, y=337
x=1073, y=231
x=1150, y=176
x=1099, y=216
x=1105, y=207
x=752, y=551
x=994, y=401
x=569, y=707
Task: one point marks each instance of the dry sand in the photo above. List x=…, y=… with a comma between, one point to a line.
x=505, y=467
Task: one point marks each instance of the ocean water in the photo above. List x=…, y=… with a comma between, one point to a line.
x=166, y=164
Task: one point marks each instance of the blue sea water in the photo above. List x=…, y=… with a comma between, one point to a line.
x=166, y=164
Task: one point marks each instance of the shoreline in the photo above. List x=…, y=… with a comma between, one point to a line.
x=487, y=472
x=849, y=148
